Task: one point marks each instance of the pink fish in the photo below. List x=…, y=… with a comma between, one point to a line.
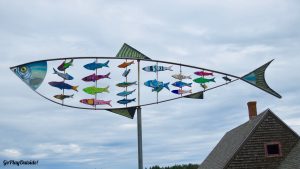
x=203, y=73
x=95, y=77
x=94, y=102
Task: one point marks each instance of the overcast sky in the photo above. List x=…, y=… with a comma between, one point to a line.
x=233, y=36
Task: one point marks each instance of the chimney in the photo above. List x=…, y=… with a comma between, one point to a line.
x=252, y=109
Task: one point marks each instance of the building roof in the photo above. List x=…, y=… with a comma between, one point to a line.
x=292, y=161
x=231, y=142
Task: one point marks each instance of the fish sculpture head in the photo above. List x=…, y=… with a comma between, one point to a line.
x=33, y=74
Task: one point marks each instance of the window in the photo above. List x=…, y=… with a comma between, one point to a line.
x=273, y=149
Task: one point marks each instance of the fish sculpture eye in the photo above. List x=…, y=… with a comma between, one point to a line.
x=23, y=69
x=24, y=72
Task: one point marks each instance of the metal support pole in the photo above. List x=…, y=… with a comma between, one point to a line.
x=140, y=139
x=139, y=124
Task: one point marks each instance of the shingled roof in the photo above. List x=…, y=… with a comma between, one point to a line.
x=292, y=161
x=230, y=143
x=233, y=140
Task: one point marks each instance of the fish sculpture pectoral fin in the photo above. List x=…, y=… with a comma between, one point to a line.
x=257, y=79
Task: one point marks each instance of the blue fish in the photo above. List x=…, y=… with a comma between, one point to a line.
x=156, y=68
x=126, y=101
x=62, y=85
x=65, y=76
x=94, y=65
x=126, y=72
x=125, y=93
x=181, y=84
x=157, y=85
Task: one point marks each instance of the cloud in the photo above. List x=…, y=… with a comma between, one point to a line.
x=10, y=153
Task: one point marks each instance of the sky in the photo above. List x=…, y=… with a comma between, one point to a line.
x=232, y=36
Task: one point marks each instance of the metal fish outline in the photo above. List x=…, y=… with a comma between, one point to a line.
x=36, y=77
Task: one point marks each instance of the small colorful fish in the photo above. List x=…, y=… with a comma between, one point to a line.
x=180, y=91
x=157, y=85
x=203, y=80
x=126, y=93
x=126, y=101
x=181, y=77
x=62, y=96
x=156, y=68
x=126, y=84
x=94, y=102
x=62, y=85
x=204, y=86
x=94, y=90
x=125, y=64
x=65, y=76
x=181, y=84
x=126, y=72
x=65, y=65
x=94, y=65
x=227, y=79
x=94, y=77
x=203, y=73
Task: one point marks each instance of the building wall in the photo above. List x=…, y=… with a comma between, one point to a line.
x=252, y=154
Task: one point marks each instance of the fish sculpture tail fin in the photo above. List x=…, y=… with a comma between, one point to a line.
x=108, y=103
x=106, y=89
x=71, y=62
x=166, y=85
x=55, y=72
x=189, y=77
x=75, y=88
x=257, y=79
x=106, y=63
x=107, y=75
x=213, y=79
x=133, y=99
x=72, y=96
x=189, y=84
x=170, y=68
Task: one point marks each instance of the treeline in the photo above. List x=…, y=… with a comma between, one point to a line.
x=185, y=166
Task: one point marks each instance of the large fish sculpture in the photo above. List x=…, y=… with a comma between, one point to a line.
x=38, y=75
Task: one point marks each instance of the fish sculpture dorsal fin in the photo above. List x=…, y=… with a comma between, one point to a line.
x=129, y=52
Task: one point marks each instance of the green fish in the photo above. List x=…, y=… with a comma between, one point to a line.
x=94, y=90
x=203, y=80
x=126, y=84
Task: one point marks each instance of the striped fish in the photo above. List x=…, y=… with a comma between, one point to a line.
x=156, y=68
